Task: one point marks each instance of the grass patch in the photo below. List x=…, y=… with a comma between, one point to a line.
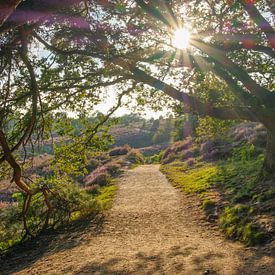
x=243, y=198
x=195, y=180
x=236, y=222
x=106, y=195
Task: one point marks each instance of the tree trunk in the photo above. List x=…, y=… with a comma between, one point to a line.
x=269, y=162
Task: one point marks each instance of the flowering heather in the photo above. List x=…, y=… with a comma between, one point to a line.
x=97, y=173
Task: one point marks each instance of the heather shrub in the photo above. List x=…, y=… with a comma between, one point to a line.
x=250, y=132
x=103, y=158
x=186, y=155
x=190, y=162
x=182, y=145
x=215, y=150
x=134, y=156
x=166, y=153
x=93, y=164
x=113, y=168
x=99, y=176
x=119, y=151
x=169, y=158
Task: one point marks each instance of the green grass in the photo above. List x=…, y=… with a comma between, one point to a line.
x=242, y=196
x=106, y=195
x=237, y=223
x=190, y=181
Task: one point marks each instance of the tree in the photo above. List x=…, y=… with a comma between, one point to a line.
x=60, y=54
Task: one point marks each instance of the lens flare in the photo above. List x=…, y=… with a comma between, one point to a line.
x=181, y=38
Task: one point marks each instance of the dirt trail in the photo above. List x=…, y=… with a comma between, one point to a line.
x=151, y=229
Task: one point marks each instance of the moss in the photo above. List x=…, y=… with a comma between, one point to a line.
x=189, y=180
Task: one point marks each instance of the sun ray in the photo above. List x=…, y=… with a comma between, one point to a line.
x=181, y=38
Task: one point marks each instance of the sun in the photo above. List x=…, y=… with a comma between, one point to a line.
x=181, y=38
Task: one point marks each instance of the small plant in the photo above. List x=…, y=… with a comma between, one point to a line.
x=99, y=176
x=119, y=151
x=134, y=156
x=244, y=153
x=236, y=223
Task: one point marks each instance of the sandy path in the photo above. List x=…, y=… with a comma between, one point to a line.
x=151, y=229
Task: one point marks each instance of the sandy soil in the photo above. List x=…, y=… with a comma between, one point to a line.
x=152, y=228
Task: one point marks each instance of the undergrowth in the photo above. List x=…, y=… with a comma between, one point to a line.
x=242, y=198
x=75, y=204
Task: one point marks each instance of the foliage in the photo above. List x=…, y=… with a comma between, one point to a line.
x=189, y=180
x=106, y=195
x=211, y=129
x=155, y=158
x=67, y=201
x=118, y=151
x=134, y=156
x=236, y=223
x=69, y=61
x=243, y=198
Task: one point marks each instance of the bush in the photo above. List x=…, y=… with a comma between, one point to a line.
x=236, y=224
x=215, y=150
x=134, y=156
x=119, y=151
x=67, y=200
x=250, y=132
x=93, y=164
x=169, y=158
x=99, y=176
x=113, y=168
x=155, y=158
x=183, y=144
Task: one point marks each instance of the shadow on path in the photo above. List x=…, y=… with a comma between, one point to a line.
x=50, y=242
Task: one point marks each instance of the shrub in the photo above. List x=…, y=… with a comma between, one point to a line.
x=155, y=158
x=170, y=158
x=113, y=168
x=93, y=164
x=167, y=153
x=134, y=156
x=67, y=201
x=183, y=144
x=186, y=155
x=250, y=132
x=215, y=150
x=99, y=176
x=119, y=151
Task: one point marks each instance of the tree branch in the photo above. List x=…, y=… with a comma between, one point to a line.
x=193, y=104
x=257, y=48
x=7, y=7
x=264, y=96
x=260, y=21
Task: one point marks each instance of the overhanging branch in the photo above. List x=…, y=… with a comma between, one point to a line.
x=193, y=104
